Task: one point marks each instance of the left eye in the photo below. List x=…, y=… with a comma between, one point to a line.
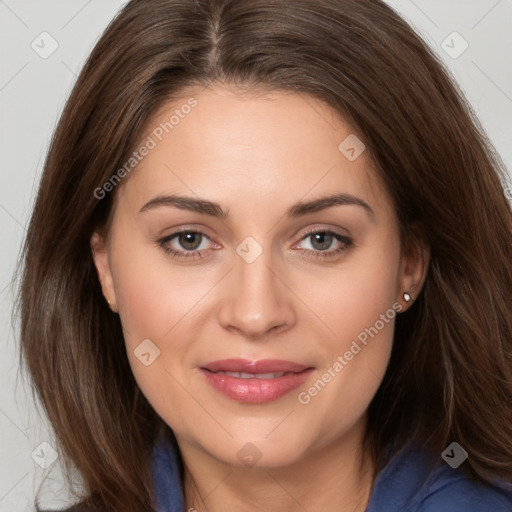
x=321, y=242
x=179, y=244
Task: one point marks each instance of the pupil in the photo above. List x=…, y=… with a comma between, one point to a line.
x=324, y=241
x=190, y=241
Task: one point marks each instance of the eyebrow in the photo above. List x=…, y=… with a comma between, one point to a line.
x=215, y=210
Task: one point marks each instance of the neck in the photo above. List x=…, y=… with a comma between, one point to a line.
x=337, y=477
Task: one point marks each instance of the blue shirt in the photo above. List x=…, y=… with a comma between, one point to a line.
x=408, y=483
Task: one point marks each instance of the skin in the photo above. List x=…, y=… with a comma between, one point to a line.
x=257, y=155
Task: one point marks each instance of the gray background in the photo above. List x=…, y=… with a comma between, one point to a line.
x=33, y=90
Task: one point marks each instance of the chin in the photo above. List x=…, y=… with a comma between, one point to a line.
x=259, y=451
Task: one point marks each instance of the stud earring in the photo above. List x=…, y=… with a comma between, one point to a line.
x=407, y=297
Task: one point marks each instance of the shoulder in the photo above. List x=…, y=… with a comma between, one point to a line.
x=452, y=491
x=414, y=481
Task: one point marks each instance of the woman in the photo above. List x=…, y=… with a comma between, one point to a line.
x=269, y=268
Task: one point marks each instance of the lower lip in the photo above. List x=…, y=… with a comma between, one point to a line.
x=256, y=391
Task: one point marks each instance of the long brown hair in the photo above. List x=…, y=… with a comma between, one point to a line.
x=450, y=374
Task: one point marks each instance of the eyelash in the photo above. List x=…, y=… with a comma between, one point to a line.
x=198, y=254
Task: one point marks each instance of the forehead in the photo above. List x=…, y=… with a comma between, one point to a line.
x=230, y=145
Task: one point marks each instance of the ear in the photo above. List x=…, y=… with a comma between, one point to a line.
x=100, y=256
x=413, y=272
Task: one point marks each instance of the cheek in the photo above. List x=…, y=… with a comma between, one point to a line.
x=358, y=308
x=155, y=303
x=351, y=296
x=154, y=295
x=159, y=301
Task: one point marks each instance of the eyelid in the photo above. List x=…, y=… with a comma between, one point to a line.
x=322, y=228
x=335, y=231
x=181, y=228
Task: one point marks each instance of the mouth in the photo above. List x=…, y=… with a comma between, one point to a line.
x=255, y=382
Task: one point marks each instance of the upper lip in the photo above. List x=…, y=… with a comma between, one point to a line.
x=261, y=366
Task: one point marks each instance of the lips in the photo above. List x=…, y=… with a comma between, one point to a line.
x=255, y=381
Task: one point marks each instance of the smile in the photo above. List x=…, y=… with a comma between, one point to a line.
x=268, y=380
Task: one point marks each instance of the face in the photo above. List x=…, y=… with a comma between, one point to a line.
x=254, y=239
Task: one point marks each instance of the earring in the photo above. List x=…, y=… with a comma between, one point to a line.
x=407, y=297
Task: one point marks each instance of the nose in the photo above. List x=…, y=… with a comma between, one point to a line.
x=257, y=300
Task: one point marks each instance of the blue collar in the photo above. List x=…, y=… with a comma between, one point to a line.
x=166, y=478
x=412, y=481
